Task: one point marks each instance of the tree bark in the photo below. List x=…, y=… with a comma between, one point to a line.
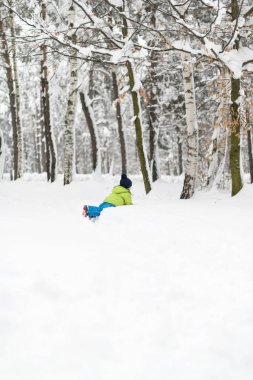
x=235, y=119
x=153, y=110
x=180, y=152
x=120, y=124
x=249, y=141
x=95, y=146
x=192, y=128
x=12, y=97
x=137, y=116
x=50, y=149
x=138, y=130
x=17, y=93
x=2, y=154
x=71, y=106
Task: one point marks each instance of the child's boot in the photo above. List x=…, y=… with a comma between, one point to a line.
x=85, y=211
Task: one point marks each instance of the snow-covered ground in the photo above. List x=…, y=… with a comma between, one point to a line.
x=156, y=291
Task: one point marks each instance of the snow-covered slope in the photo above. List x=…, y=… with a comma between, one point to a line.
x=159, y=290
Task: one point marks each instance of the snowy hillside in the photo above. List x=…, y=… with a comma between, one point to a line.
x=159, y=290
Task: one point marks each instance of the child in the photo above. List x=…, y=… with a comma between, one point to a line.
x=119, y=196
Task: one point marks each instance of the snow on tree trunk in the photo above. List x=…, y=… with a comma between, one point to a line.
x=90, y=120
x=17, y=92
x=49, y=143
x=12, y=96
x=192, y=128
x=71, y=106
x=2, y=154
x=153, y=110
x=120, y=124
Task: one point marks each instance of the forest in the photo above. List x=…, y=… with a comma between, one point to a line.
x=139, y=104
x=117, y=86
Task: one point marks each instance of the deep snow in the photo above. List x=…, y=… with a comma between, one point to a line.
x=159, y=290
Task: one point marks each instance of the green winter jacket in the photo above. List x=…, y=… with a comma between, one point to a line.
x=119, y=196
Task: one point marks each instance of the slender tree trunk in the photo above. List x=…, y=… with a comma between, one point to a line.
x=42, y=139
x=12, y=97
x=50, y=149
x=249, y=140
x=235, y=118
x=2, y=154
x=71, y=106
x=95, y=146
x=17, y=93
x=192, y=128
x=214, y=160
x=38, y=141
x=153, y=109
x=120, y=124
x=235, y=137
x=180, y=152
x=137, y=116
x=138, y=129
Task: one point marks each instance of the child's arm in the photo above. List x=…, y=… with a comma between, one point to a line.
x=127, y=198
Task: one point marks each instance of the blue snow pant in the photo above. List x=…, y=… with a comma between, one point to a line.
x=94, y=211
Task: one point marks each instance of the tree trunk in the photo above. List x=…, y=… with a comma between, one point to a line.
x=12, y=97
x=2, y=154
x=192, y=128
x=50, y=149
x=235, y=137
x=17, y=92
x=95, y=146
x=71, y=106
x=120, y=124
x=137, y=115
x=138, y=129
x=235, y=118
x=180, y=152
x=249, y=140
x=153, y=110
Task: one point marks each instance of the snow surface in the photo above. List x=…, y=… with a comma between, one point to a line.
x=159, y=290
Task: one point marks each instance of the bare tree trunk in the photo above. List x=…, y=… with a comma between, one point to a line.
x=12, y=97
x=180, y=152
x=249, y=140
x=2, y=154
x=120, y=124
x=192, y=128
x=95, y=146
x=138, y=129
x=17, y=92
x=137, y=116
x=50, y=149
x=153, y=110
x=235, y=137
x=235, y=118
x=71, y=106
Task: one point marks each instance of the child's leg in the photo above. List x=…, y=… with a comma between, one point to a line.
x=105, y=205
x=93, y=211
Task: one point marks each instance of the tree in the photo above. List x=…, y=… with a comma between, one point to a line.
x=192, y=129
x=71, y=106
x=90, y=120
x=2, y=154
x=119, y=123
x=45, y=103
x=12, y=98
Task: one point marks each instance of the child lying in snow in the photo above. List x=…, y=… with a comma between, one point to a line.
x=119, y=196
